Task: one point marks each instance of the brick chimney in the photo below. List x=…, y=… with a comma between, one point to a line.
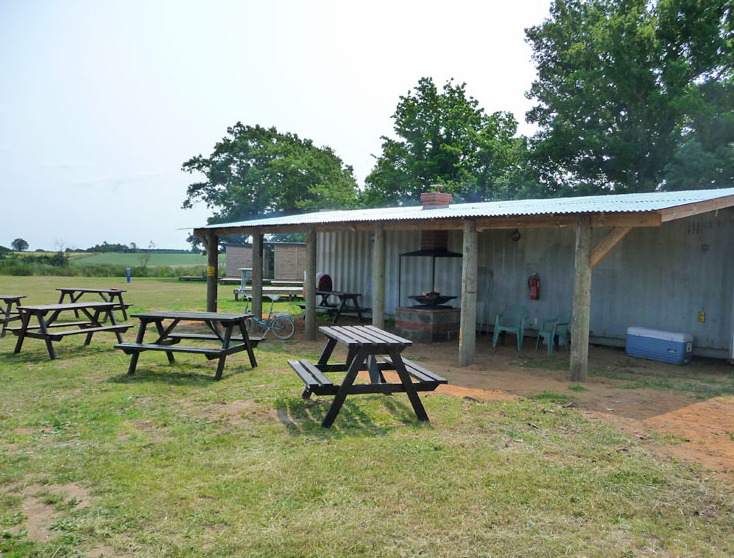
x=435, y=199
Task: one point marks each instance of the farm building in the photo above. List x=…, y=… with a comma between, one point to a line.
x=282, y=261
x=657, y=260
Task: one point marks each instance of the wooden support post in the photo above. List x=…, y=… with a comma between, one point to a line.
x=257, y=274
x=310, y=284
x=378, y=277
x=469, y=269
x=581, y=302
x=212, y=271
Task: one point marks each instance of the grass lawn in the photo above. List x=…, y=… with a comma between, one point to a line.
x=131, y=259
x=169, y=463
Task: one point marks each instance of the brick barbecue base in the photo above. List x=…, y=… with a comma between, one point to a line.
x=425, y=324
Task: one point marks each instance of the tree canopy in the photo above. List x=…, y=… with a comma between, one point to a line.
x=256, y=171
x=19, y=245
x=634, y=95
x=443, y=137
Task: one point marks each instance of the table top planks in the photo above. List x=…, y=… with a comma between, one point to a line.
x=193, y=316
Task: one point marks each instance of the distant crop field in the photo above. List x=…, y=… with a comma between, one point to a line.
x=117, y=258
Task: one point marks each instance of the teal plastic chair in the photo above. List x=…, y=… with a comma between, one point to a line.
x=511, y=320
x=557, y=327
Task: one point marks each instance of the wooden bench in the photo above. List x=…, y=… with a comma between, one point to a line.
x=315, y=380
x=54, y=324
x=427, y=380
x=176, y=337
x=59, y=335
x=133, y=348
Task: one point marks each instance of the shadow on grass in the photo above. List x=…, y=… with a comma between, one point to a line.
x=39, y=354
x=173, y=374
x=304, y=416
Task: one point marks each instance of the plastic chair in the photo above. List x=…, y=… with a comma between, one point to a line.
x=552, y=328
x=511, y=320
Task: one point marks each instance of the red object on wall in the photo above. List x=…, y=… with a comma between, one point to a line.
x=534, y=286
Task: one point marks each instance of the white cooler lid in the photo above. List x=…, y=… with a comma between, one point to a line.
x=658, y=334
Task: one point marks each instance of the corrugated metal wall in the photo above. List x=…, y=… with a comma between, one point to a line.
x=659, y=278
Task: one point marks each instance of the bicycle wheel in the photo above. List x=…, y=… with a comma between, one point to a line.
x=283, y=327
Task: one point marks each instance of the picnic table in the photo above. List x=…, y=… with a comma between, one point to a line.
x=7, y=314
x=347, y=305
x=47, y=315
x=364, y=345
x=219, y=328
x=107, y=295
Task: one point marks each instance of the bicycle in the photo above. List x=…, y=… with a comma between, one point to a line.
x=282, y=325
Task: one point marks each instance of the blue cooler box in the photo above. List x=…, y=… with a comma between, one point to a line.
x=665, y=346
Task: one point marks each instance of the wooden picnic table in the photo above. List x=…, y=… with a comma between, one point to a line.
x=347, y=305
x=47, y=315
x=7, y=314
x=364, y=345
x=107, y=295
x=220, y=328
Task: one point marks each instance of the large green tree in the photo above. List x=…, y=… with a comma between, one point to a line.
x=256, y=171
x=631, y=92
x=443, y=137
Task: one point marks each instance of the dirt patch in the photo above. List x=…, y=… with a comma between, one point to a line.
x=42, y=503
x=699, y=431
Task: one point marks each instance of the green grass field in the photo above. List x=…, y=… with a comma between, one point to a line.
x=115, y=258
x=170, y=464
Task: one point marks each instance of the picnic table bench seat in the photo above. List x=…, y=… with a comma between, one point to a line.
x=59, y=335
x=53, y=324
x=211, y=337
x=427, y=380
x=315, y=380
x=318, y=383
x=209, y=352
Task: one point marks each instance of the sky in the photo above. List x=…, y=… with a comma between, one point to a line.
x=101, y=102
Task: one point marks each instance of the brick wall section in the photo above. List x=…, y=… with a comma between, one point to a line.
x=434, y=240
x=434, y=200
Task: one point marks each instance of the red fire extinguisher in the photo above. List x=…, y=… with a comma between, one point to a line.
x=534, y=286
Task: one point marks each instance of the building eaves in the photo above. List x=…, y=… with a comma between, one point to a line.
x=604, y=204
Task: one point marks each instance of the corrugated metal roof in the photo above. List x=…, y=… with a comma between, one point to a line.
x=614, y=203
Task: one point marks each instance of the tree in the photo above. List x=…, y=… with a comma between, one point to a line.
x=616, y=86
x=255, y=172
x=19, y=245
x=443, y=137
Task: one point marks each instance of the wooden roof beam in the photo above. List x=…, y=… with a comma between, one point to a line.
x=606, y=244
x=692, y=209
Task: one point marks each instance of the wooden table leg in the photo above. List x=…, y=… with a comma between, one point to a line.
x=397, y=361
x=139, y=340
x=25, y=319
x=225, y=346
x=46, y=338
x=246, y=339
x=162, y=333
x=342, y=305
x=344, y=389
x=326, y=353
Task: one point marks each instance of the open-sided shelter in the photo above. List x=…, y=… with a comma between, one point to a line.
x=660, y=260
